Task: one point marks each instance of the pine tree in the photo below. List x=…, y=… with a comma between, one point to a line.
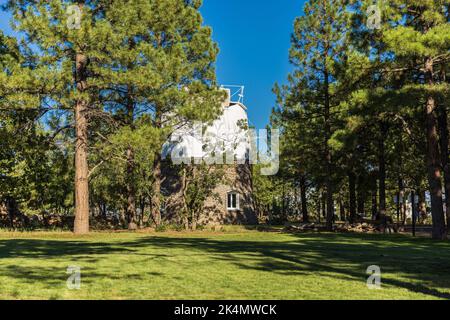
x=184, y=88
x=63, y=46
x=318, y=43
x=421, y=40
x=297, y=139
x=148, y=56
x=162, y=66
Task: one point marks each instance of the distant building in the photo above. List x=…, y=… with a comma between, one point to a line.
x=227, y=135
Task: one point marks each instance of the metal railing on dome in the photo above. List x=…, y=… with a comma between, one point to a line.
x=237, y=92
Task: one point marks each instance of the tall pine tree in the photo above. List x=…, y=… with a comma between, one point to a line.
x=318, y=45
x=420, y=39
x=63, y=43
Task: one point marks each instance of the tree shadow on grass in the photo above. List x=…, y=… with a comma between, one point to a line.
x=31, y=248
x=65, y=253
x=423, y=264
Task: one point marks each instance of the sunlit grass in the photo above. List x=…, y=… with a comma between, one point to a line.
x=236, y=264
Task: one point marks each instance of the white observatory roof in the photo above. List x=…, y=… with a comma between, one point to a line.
x=228, y=134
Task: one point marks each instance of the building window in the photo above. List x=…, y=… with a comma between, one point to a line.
x=233, y=201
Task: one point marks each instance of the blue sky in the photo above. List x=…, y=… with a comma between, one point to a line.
x=254, y=39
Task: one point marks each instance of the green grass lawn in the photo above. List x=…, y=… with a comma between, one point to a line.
x=234, y=265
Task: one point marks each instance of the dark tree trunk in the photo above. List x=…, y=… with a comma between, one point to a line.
x=374, y=201
x=361, y=197
x=444, y=142
x=304, y=201
x=130, y=170
x=195, y=215
x=131, y=192
x=183, y=192
x=324, y=204
x=434, y=160
x=401, y=192
x=142, y=204
x=341, y=209
x=330, y=207
x=328, y=156
x=12, y=209
x=382, y=168
x=283, y=204
x=156, y=197
x=103, y=210
x=422, y=205
x=397, y=207
x=402, y=200
x=319, y=207
x=352, y=196
x=122, y=217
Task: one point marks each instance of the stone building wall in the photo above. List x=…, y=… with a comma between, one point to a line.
x=238, y=179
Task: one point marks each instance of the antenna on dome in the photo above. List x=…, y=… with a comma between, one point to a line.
x=236, y=92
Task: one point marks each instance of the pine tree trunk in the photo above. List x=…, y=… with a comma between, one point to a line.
x=330, y=201
x=422, y=204
x=318, y=207
x=304, y=202
x=374, y=204
x=81, y=223
x=324, y=204
x=401, y=192
x=397, y=207
x=382, y=169
x=131, y=192
x=183, y=194
x=142, y=209
x=328, y=157
x=194, y=210
x=352, y=196
x=361, y=196
x=433, y=160
x=104, y=211
x=194, y=222
x=283, y=204
x=341, y=208
x=122, y=217
x=156, y=199
x=445, y=145
x=402, y=200
x=130, y=170
x=186, y=223
x=12, y=209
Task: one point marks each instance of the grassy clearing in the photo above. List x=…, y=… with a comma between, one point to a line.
x=235, y=264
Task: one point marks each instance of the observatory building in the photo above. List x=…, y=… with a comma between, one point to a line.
x=224, y=144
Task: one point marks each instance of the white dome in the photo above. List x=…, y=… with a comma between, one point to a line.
x=228, y=134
